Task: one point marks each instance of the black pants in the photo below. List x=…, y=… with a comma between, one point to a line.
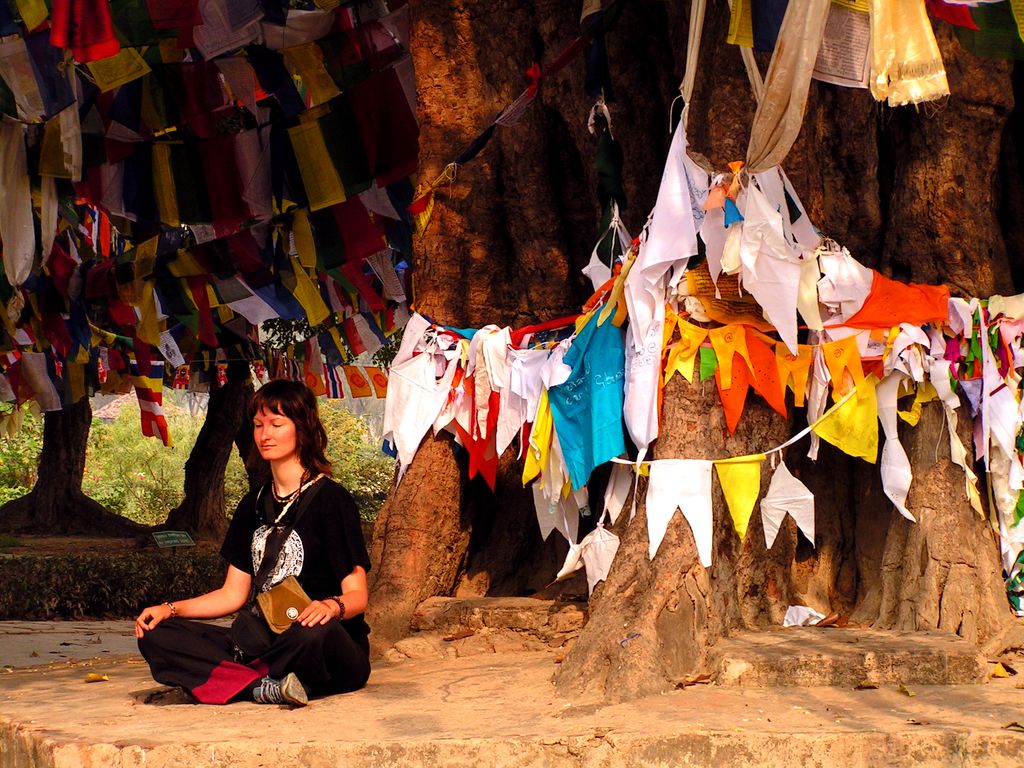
x=200, y=658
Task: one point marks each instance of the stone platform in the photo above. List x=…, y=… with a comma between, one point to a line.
x=847, y=657
x=501, y=709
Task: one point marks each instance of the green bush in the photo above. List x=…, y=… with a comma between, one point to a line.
x=141, y=479
x=19, y=451
x=358, y=464
x=138, y=477
x=102, y=586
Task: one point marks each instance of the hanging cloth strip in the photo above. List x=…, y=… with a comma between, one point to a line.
x=906, y=65
x=781, y=110
x=85, y=27
x=17, y=231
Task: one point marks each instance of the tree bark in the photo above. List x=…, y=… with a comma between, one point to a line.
x=419, y=541
x=56, y=504
x=915, y=193
x=653, y=623
x=506, y=246
x=911, y=194
x=257, y=469
x=201, y=511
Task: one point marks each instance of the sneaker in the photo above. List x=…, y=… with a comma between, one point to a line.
x=293, y=692
x=287, y=690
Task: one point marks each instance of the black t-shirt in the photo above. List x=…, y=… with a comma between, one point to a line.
x=324, y=548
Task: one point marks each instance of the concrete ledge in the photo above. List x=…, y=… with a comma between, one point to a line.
x=809, y=657
x=497, y=710
x=920, y=748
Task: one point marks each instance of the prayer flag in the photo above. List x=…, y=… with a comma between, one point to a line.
x=853, y=426
x=84, y=26
x=741, y=484
x=741, y=24
x=388, y=127
x=149, y=384
x=117, y=70
x=379, y=380
x=357, y=382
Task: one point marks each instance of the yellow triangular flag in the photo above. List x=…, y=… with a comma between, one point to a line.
x=741, y=485
x=853, y=426
x=683, y=353
x=925, y=394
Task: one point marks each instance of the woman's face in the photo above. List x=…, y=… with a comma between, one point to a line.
x=274, y=434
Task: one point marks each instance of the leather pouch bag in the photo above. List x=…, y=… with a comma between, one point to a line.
x=282, y=604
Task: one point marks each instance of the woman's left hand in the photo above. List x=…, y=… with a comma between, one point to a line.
x=318, y=612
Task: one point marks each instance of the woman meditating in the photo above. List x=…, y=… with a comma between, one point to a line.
x=312, y=525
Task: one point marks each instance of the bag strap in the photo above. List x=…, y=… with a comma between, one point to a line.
x=277, y=538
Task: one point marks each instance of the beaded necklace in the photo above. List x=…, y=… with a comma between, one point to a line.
x=292, y=497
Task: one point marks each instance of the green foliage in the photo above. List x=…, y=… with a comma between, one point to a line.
x=382, y=357
x=8, y=542
x=282, y=334
x=278, y=333
x=141, y=479
x=135, y=476
x=358, y=464
x=19, y=452
x=102, y=586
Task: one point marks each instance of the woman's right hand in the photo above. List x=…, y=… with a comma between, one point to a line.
x=150, y=617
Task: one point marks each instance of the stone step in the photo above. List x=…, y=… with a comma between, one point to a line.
x=453, y=627
x=546, y=620
x=847, y=658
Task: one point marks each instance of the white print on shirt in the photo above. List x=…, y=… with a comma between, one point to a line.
x=289, y=562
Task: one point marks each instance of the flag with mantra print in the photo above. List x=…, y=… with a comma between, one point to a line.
x=379, y=379
x=357, y=382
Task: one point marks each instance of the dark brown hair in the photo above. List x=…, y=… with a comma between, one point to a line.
x=296, y=401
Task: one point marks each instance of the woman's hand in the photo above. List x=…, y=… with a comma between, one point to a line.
x=150, y=617
x=319, y=612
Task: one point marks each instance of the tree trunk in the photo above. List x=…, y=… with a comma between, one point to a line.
x=201, y=511
x=56, y=504
x=911, y=192
x=914, y=198
x=506, y=246
x=257, y=469
x=419, y=541
x=943, y=227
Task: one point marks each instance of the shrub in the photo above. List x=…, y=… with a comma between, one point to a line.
x=141, y=479
x=102, y=586
x=19, y=451
x=138, y=477
x=358, y=464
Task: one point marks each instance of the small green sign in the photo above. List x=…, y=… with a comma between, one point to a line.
x=166, y=539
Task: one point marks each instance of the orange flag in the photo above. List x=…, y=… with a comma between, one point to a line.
x=733, y=396
x=379, y=379
x=765, y=372
x=357, y=382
